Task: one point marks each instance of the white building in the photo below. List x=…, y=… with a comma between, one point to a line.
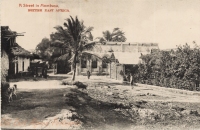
x=20, y=60
x=121, y=53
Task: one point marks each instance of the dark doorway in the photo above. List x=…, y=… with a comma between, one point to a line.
x=23, y=66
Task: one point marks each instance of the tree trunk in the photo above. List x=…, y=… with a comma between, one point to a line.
x=74, y=67
x=74, y=72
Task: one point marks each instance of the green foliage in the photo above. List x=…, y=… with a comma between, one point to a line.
x=178, y=68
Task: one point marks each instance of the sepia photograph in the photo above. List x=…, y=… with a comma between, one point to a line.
x=100, y=64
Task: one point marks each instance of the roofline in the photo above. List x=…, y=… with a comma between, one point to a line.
x=130, y=43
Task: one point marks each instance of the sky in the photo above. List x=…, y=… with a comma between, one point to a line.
x=166, y=22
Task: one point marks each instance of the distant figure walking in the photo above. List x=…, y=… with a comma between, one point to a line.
x=131, y=80
x=88, y=74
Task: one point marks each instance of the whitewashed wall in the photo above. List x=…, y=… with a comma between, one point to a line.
x=4, y=66
x=26, y=64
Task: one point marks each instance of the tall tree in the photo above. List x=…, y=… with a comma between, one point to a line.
x=41, y=48
x=75, y=37
x=116, y=35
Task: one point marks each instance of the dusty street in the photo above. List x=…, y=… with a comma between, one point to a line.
x=105, y=104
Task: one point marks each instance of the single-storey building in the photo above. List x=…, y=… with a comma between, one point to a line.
x=94, y=64
x=120, y=54
x=121, y=62
x=20, y=60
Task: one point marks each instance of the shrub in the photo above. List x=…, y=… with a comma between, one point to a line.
x=80, y=85
x=77, y=83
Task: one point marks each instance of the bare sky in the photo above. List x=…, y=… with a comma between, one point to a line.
x=167, y=22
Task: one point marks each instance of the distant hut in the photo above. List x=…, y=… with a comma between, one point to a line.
x=19, y=60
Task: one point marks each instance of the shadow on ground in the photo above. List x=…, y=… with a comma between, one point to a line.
x=38, y=78
x=95, y=113
x=37, y=105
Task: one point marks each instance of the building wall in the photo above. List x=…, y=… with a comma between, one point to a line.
x=130, y=48
x=93, y=71
x=4, y=66
x=126, y=47
x=20, y=64
x=115, y=71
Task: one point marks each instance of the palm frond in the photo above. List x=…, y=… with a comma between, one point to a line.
x=59, y=28
x=90, y=37
x=107, y=35
x=89, y=45
x=115, y=29
x=89, y=29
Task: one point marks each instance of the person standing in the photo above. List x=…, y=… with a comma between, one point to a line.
x=88, y=74
x=131, y=80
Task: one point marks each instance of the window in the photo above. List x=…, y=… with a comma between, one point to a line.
x=104, y=65
x=83, y=63
x=94, y=63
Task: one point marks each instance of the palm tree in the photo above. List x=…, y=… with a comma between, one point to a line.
x=76, y=38
x=116, y=36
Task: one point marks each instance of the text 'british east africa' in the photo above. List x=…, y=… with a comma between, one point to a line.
x=48, y=10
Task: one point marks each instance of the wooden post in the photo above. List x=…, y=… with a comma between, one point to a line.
x=110, y=69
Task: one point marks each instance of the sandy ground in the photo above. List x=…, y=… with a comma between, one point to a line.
x=105, y=104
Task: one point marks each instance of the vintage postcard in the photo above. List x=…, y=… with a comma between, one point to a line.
x=100, y=64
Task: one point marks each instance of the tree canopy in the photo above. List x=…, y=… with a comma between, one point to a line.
x=75, y=38
x=178, y=67
x=116, y=35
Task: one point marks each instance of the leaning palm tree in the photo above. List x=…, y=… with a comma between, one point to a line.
x=115, y=36
x=76, y=38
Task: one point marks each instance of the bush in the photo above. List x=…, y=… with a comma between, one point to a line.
x=150, y=82
x=80, y=85
x=77, y=83
x=155, y=82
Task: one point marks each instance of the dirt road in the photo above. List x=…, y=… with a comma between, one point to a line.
x=106, y=104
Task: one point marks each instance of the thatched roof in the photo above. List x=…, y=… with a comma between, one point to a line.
x=17, y=50
x=6, y=32
x=7, y=38
x=36, y=56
